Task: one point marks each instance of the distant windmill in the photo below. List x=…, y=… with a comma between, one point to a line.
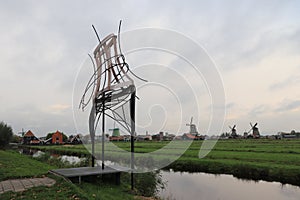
x=255, y=131
x=115, y=132
x=22, y=132
x=233, y=133
x=193, y=128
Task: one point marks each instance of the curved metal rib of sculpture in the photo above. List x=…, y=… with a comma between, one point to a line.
x=112, y=89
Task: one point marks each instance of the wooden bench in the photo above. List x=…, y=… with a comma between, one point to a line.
x=91, y=171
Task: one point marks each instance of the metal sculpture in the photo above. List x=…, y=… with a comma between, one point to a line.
x=112, y=88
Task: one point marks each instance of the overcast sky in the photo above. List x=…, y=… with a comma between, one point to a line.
x=255, y=45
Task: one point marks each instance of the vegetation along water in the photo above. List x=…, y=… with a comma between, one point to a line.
x=263, y=159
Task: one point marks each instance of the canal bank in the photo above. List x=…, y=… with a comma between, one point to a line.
x=269, y=160
x=188, y=185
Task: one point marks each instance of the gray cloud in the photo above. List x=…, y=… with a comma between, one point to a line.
x=258, y=110
x=292, y=80
x=288, y=105
x=230, y=105
x=44, y=44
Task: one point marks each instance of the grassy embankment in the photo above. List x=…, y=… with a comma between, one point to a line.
x=15, y=165
x=271, y=160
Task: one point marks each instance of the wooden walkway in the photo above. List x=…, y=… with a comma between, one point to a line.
x=91, y=171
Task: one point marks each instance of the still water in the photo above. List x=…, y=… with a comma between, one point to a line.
x=190, y=186
x=73, y=160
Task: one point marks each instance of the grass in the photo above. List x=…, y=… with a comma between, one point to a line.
x=271, y=160
x=106, y=192
x=15, y=165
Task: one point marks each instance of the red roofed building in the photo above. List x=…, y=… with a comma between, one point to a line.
x=57, y=138
x=30, y=138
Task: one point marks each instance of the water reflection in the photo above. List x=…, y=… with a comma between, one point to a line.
x=27, y=151
x=37, y=154
x=223, y=187
x=71, y=159
x=106, y=162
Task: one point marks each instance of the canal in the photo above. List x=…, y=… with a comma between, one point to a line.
x=189, y=186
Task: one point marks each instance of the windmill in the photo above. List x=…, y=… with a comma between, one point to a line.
x=115, y=131
x=193, y=128
x=255, y=131
x=233, y=133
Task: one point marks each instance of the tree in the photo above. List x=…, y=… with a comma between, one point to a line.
x=16, y=139
x=49, y=135
x=65, y=138
x=5, y=134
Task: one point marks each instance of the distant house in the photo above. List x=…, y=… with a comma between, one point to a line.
x=47, y=141
x=127, y=138
x=158, y=137
x=144, y=138
x=169, y=137
x=57, y=138
x=116, y=138
x=292, y=135
x=178, y=137
x=75, y=139
x=30, y=138
x=288, y=135
x=98, y=138
x=189, y=136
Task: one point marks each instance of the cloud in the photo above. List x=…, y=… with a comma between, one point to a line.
x=288, y=105
x=230, y=105
x=58, y=108
x=290, y=81
x=44, y=44
x=258, y=110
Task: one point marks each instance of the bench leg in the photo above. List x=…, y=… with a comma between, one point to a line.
x=118, y=176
